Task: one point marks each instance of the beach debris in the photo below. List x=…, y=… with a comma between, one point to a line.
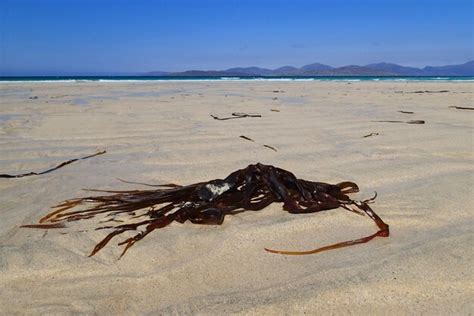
x=252, y=188
x=461, y=107
x=33, y=97
x=423, y=91
x=407, y=122
x=371, y=134
x=278, y=91
x=52, y=169
x=250, y=139
x=274, y=110
x=246, y=138
x=270, y=147
x=430, y=91
x=406, y=112
x=235, y=115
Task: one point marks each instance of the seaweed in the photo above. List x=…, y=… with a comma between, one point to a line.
x=369, y=135
x=250, y=189
x=52, y=169
x=461, y=107
x=235, y=115
x=407, y=122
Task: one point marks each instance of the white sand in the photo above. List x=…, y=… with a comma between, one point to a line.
x=162, y=132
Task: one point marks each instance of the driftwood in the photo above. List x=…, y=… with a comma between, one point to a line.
x=406, y=112
x=49, y=170
x=235, y=115
x=252, y=188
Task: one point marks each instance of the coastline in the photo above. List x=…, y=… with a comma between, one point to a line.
x=148, y=78
x=161, y=132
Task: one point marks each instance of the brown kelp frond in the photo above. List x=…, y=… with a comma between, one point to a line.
x=45, y=226
x=353, y=207
x=235, y=115
x=371, y=134
x=461, y=107
x=249, y=189
x=170, y=185
x=52, y=169
x=407, y=122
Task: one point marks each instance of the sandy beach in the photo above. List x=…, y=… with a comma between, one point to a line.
x=162, y=132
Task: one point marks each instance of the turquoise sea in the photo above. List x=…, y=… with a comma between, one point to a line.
x=175, y=78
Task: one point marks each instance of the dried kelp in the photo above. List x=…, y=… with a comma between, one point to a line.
x=235, y=115
x=430, y=91
x=270, y=147
x=252, y=188
x=461, y=107
x=52, y=169
x=423, y=91
x=250, y=139
x=371, y=134
x=407, y=122
x=246, y=138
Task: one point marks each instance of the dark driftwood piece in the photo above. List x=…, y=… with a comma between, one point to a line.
x=235, y=115
x=52, y=169
x=406, y=112
x=252, y=188
x=461, y=107
x=408, y=122
x=371, y=134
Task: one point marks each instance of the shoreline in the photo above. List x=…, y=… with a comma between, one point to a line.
x=148, y=79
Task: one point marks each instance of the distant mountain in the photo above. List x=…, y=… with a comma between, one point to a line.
x=287, y=71
x=396, y=69
x=251, y=71
x=316, y=69
x=353, y=70
x=466, y=69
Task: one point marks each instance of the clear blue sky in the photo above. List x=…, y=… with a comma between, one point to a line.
x=109, y=36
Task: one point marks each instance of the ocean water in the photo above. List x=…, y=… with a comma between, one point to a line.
x=176, y=78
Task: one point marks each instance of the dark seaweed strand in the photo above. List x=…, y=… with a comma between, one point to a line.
x=249, y=189
x=235, y=115
x=407, y=122
x=461, y=107
x=52, y=169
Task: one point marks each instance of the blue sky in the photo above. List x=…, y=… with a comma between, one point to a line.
x=48, y=37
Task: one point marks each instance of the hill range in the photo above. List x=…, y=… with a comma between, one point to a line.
x=317, y=69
